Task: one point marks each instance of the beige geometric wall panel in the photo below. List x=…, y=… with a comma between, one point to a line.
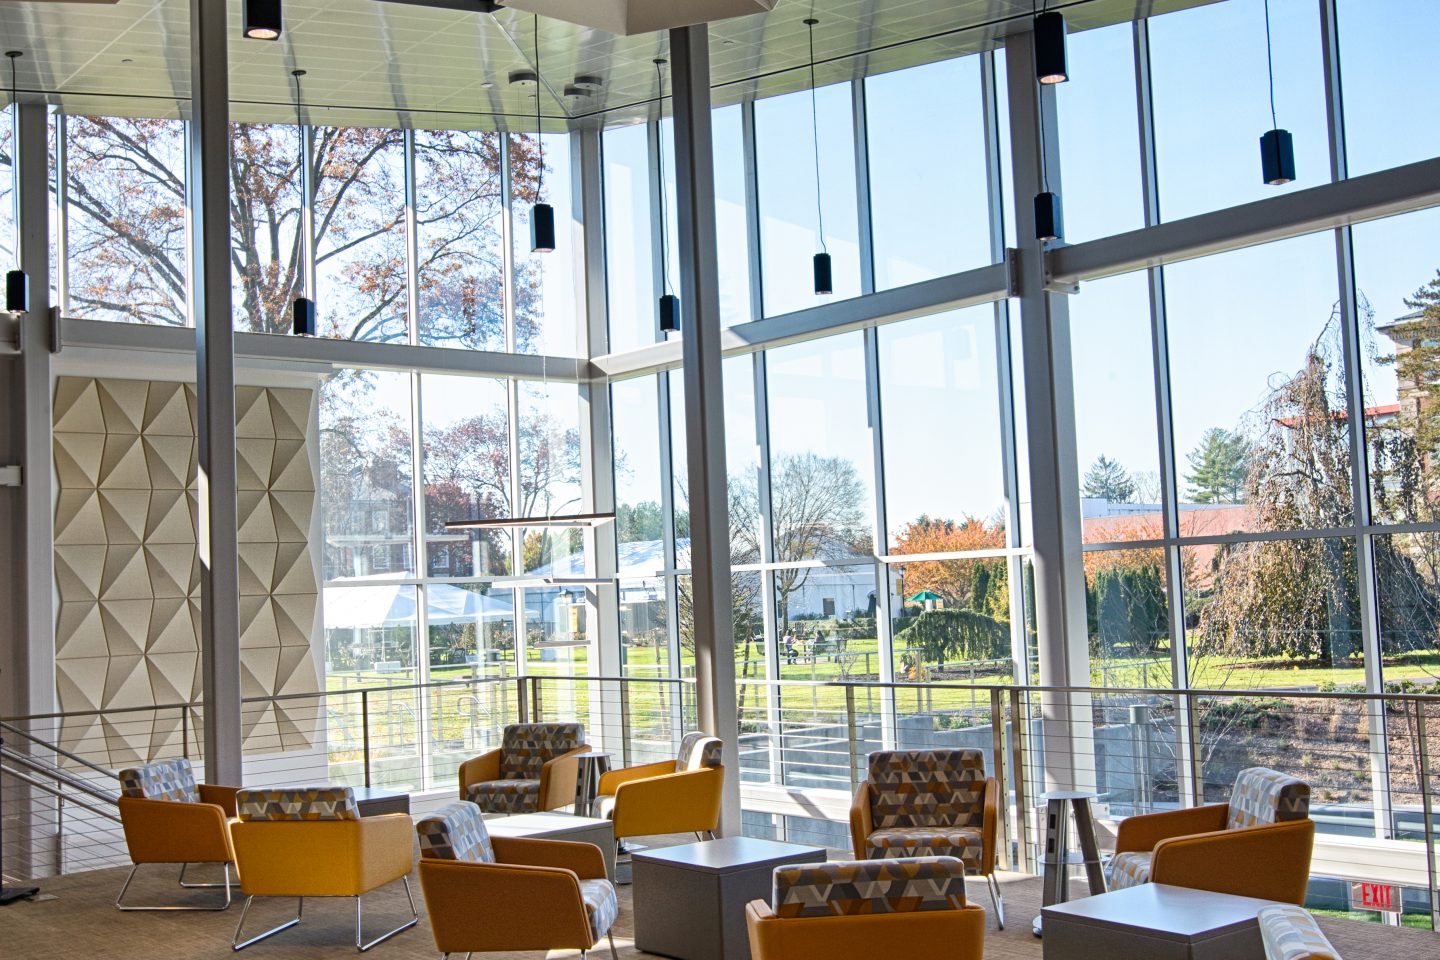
x=128, y=578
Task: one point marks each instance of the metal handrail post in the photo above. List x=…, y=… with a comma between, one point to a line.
x=852, y=738
x=522, y=701
x=1427, y=811
x=365, y=731
x=1018, y=723
x=997, y=751
x=625, y=724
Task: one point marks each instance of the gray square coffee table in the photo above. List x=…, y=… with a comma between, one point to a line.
x=559, y=826
x=689, y=900
x=1155, y=921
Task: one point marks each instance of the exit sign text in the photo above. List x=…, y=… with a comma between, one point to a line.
x=1375, y=896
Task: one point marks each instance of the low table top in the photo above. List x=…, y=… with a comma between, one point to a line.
x=730, y=854
x=541, y=823
x=363, y=794
x=1161, y=911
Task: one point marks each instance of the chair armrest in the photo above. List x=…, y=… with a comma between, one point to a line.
x=610, y=782
x=1270, y=862
x=170, y=831
x=479, y=770
x=989, y=826
x=503, y=907
x=861, y=822
x=583, y=859
x=684, y=802
x=1141, y=833
x=222, y=797
x=560, y=777
x=387, y=848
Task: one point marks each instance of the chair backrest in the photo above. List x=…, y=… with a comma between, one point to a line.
x=456, y=832
x=526, y=747
x=1262, y=795
x=297, y=803
x=844, y=888
x=698, y=750
x=1290, y=933
x=927, y=788
x=161, y=780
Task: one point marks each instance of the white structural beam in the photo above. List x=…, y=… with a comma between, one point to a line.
x=982, y=285
x=1062, y=641
x=216, y=530
x=1414, y=186
x=711, y=599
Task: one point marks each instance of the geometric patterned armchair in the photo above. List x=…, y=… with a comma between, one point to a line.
x=312, y=842
x=534, y=769
x=169, y=818
x=1257, y=845
x=672, y=796
x=930, y=803
x=488, y=893
x=867, y=908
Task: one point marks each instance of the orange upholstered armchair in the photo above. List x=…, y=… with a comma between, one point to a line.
x=1257, y=845
x=312, y=842
x=488, y=894
x=169, y=818
x=534, y=769
x=930, y=803
x=672, y=796
x=819, y=911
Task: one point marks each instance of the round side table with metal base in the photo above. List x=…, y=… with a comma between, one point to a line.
x=1057, y=857
x=593, y=765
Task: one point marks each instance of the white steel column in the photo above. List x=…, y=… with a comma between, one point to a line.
x=1062, y=644
x=711, y=598
x=209, y=135
x=1367, y=587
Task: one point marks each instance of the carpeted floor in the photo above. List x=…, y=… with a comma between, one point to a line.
x=76, y=921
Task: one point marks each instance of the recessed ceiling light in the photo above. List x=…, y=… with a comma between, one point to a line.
x=486, y=84
x=127, y=60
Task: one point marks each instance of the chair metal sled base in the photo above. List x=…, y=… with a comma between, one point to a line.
x=121, y=905
x=237, y=944
x=584, y=954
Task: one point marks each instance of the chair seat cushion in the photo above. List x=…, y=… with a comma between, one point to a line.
x=1291, y=933
x=1128, y=870
x=965, y=843
x=506, y=796
x=601, y=906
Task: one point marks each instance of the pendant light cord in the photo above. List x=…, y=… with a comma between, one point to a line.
x=300, y=166
x=1270, y=67
x=539, y=140
x=660, y=161
x=1036, y=9
x=815, y=138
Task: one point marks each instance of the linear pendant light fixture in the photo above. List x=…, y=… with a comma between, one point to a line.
x=669, y=303
x=302, y=309
x=262, y=19
x=542, y=215
x=1277, y=148
x=824, y=279
x=17, y=284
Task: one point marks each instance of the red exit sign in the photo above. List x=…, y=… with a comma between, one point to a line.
x=1375, y=896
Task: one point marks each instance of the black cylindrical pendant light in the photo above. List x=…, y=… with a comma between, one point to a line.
x=542, y=228
x=1277, y=147
x=669, y=313
x=302, y=308
x=542, y=215
x=262, y=19
x=17, y=292
x=17, y=285
x=824, y=283
x=1277, y=157
x=1050, y=60
x=1049, y=224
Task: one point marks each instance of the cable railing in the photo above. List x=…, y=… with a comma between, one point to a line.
x=1371, y=759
